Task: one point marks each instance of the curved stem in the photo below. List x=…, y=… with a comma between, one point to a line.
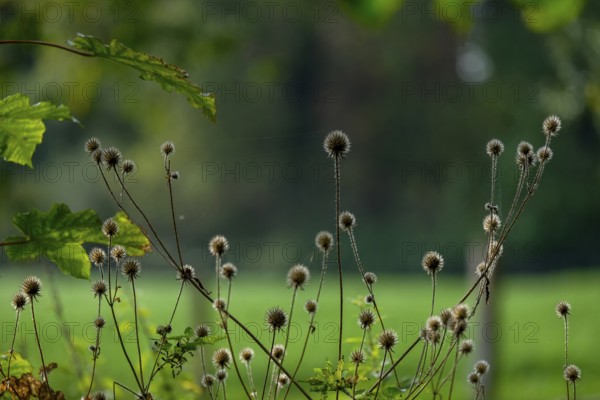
x=12, y=345
x=339, y=255
x=381, y=374
x=137, y=335
x=268, y=367
x=49, y=44
x=120, y=337
x=37, y=339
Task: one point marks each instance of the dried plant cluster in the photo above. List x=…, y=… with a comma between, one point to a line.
x=368, y=370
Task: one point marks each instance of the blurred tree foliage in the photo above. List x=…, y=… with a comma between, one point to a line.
x=420, y=87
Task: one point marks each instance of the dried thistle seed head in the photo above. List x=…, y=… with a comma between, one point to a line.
x=97, y=156
x=128, y=167
x=524, y=148
x=337, y=144
x=366, y=318
x=208, y=380
x=221, y=375
x=495, y=250
x=91, y=145
x=32, y=287
x=228, y=271
x=219, y=305
x=480, y=269
x=202, y=331
x=572, y=373
x=446, y=317
x=118, y=253
x=246, y=355
x=167, y=148
x=99, y=396
x=111, y=157
x=99, y=322
x=524, y=160
x=473, y=378
x=434, y=323
x=276, y=318
x=369, y=299
x=221, y=358
x=459, y=327
x=432, y=262
x=19, y=301
x=494, y=148
x=97, y=256
x=347, y=220
x=370, y=278
x=388, y=339
x=163, y=330
x=482, y=367
x=310, y=306
x=563, y=309
x=298, y=276
x=466, y=346
x=461, y=312
x=99, y=288
x=218, y=245
x=278, y=351
x=282, y=380
x=491, y=223
x=324, y=241
x=110, y=228
x=551, y=125
x=131, y=268
x=544, y=154
x=357, y=357
x=175, y=175
x=186, y=274
x=432, y=336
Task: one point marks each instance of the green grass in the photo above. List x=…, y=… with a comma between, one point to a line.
x=525, y=333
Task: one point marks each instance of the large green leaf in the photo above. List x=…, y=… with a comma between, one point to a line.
x=171, y=77
x=21, y=126
x=58, y=235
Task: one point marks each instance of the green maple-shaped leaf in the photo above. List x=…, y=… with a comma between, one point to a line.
x=171, y=77
x=59, y=234
x=21, y=126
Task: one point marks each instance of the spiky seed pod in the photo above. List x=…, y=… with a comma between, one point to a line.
x=110, y=228
x=434, y=323
x=91, y=145
x=99, y=288
x=228, y=271
x=369, y=299
x=111, y=157
x=163, y=330
x=310, y=306
x=298, y=276
x=32, y=287
x=544, y=154
x=282, y=380
x=494, y=148
x=99, y=396
x=221, y=375
x=388, y=339
x=208, y=380
x=524, y=148
x=366, y=318
x=131, y=268
x=563, y=309
x=473, y=378
x=324, y=241
x=491, y=223
x=357, y=357
x=118, y=253
x=459, y=328
x=466, y=346
x=572, y=373
x=432, y=262
x=186, y=274
x=202, y=331
x=278, y=351
x=97, y=256
x=525, y=155
x=446, y=317
x=219, y=305
x=175, y=175
x=19, y=301
x=221, y=358
x=246, y=355
x=276, y=318
x=482, y=367
x=337, y=144
x=370, y=278
x=128, y=167
x=551, y=125
x=218, y=245
x=347, y=220
x=99, y=322
x=167, y=148
x=461, y=312
x=96, y=156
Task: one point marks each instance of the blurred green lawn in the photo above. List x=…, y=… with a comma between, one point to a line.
x=525, y=332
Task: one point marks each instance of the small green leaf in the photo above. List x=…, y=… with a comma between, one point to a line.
x=170, y=77
x=58, y=235
x=21, y=126
x=18, y=366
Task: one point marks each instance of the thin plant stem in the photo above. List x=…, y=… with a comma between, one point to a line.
x=434, y=373
x=49, y=44
x=39, y=345
x=137, y=335
x=218, y=274
x=287, y=335
x=432, y=293
x=394, y=365
x=355, y=377
x=12, y=344
x=381, y=373
x=250, y=379
x=453, y=372
x=172, y=203
x=268, y=367
x=339, y=257
x=566, y=341
x=418, y=370
x=96, y=350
